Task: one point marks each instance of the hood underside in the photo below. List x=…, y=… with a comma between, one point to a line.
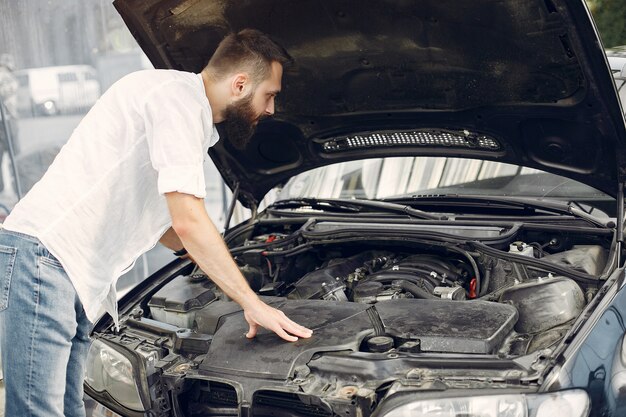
x=518, y=81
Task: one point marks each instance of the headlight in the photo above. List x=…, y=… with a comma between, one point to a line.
x=574, y=403
x=109, y=370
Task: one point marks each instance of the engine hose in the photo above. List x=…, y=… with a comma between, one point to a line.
x=485, y=284
x=430, y=260
x=493, y=295
x=479, y=286
x=414, y=289
x=414, y=281
x=429, y=267
x=396, y=275
x=416, y=277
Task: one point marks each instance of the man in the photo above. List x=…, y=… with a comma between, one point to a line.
x=130, y=175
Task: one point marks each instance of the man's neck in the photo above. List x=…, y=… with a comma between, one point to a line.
x=211, y=90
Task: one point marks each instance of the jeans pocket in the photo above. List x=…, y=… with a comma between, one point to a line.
x=51, y=261
x=48, y=259
x=7, y=263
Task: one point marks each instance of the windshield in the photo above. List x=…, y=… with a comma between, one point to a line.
x=383, y=178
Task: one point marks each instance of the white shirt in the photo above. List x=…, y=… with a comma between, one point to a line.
x=100, y=205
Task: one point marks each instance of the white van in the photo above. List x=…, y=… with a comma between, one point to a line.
x=56, y=90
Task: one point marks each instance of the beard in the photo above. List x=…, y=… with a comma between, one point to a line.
x=240, y=122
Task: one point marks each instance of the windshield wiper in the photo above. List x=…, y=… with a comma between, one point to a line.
x=355, y=206
x=554, y=207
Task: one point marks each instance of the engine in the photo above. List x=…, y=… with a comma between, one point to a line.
x=432, y=292
x=371, y=277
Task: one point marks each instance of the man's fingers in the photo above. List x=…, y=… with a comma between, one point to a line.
x=276, y=321
x=297, y=330
x=297, y=326
x=252, y=331
x=284, y=335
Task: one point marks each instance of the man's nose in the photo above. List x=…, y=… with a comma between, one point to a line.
x=269, y=110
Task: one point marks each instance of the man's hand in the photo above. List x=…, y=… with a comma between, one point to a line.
x=196, y=233
x=260, y=314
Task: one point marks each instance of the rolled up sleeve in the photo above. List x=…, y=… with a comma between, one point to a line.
x=183, y=179
x=176, y=125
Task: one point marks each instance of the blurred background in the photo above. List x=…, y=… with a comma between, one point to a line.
x=610, y=17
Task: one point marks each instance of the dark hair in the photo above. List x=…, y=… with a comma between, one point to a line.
x=250, y=50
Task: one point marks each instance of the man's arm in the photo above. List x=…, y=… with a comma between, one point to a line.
x=198, y=235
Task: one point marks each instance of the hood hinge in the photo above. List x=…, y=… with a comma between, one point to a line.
x=620, y=222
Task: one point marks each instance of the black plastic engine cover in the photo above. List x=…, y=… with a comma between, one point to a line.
x=440, y=325
x=447, y=325
x=336, y=326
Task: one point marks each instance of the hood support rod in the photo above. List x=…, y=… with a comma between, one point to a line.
x=620, y=222
x=231, y=208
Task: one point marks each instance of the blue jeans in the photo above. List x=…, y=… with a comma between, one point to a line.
x=44, y=332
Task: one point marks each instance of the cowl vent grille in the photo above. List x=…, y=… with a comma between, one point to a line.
x=431, y=138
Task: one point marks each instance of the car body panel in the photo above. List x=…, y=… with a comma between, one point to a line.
x=597, y=362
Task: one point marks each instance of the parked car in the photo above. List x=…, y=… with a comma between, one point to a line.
x=449, y=221
x=47, y=91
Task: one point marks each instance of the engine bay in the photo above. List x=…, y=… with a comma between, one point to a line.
x=393, y=307
x=422, y=295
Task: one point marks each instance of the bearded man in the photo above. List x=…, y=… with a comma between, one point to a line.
x=130, y=175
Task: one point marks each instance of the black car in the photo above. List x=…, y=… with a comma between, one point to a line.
x=443, y=192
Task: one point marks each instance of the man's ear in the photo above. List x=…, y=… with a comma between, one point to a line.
x=239, y=84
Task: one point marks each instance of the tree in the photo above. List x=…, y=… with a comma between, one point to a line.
x=610, y=17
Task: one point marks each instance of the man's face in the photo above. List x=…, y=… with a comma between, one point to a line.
x=242, y=116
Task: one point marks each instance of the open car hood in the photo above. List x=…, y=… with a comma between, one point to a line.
x=524, y=82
